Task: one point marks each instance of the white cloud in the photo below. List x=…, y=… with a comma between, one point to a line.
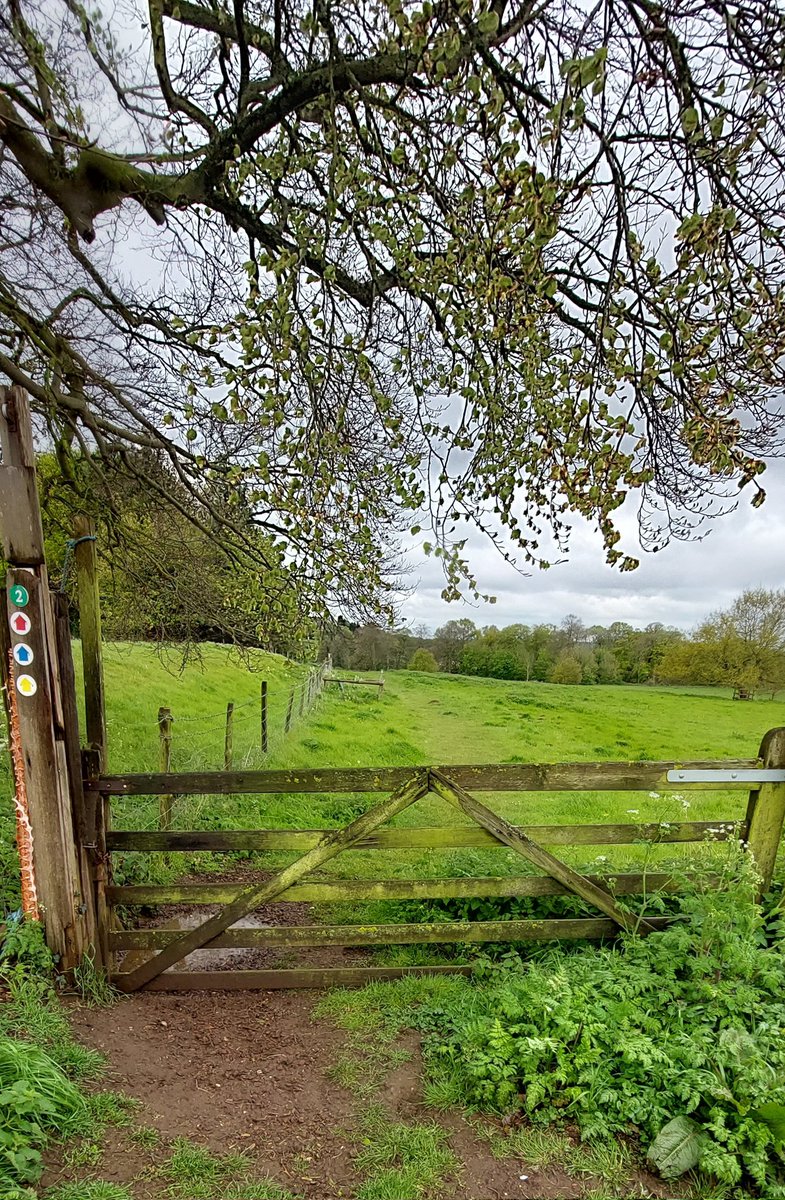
x=677, y=586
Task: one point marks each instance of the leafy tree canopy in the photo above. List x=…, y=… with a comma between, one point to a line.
x=489, y=262
x=742, y=647
x=162, y=575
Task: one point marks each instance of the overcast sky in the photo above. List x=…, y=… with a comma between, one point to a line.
x=677, y=586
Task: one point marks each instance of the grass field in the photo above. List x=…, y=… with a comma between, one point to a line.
x=419, y=718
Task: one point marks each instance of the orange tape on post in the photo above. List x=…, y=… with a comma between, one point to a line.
x=24, y=830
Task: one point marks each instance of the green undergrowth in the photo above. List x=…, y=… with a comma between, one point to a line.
x=611, y=1161
x=685, y=1025
x=47, y=1079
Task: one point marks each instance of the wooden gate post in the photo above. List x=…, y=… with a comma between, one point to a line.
x=90, y=631
x=766, y=810
x=63, y=883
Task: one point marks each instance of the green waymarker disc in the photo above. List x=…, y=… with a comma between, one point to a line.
x=19, y=595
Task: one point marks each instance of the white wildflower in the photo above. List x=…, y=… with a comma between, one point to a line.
x=632, y=812
x=654, y=795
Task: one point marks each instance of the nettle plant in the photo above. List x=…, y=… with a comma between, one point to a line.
x=678, y=1036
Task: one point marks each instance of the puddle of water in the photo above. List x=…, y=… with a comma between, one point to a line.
x=199, y=960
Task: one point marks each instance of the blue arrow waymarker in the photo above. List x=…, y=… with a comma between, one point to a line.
x=23, y=654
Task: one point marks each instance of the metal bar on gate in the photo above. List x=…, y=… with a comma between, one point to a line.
x=725, y=775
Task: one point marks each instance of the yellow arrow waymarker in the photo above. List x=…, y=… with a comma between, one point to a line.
x=26, y=685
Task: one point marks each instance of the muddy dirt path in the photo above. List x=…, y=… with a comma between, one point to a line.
x=247, y=1071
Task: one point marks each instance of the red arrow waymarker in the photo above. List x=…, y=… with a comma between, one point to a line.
x=20, y=623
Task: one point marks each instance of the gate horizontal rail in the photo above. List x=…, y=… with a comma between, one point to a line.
x=422, y=837
x=462, y=887
x=506, y=777
x=382, y=935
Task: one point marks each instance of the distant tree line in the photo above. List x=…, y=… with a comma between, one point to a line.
x=742, y=647
x=567, y=653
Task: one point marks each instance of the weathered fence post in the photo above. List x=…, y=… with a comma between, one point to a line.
x=264, y=716
x=63, y=879
x=98, y=806
x=766, y=810
x=165, y=764
x=90, y=632
x=288, y=722
x=228, y=738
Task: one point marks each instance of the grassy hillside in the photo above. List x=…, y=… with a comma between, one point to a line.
x=141, y=678
x=424, y=718
x=420, y=718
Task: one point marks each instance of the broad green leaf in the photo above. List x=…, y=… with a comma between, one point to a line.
x=773, y=1115
x=677, y=1147
x=488, y=22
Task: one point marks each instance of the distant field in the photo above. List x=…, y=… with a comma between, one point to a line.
x=419, y=718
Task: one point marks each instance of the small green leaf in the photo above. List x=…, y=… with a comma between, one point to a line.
x=689, y=120
x=488, y=23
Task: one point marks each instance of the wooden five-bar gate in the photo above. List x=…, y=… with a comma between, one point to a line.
x=64, y=798
x=764, y=778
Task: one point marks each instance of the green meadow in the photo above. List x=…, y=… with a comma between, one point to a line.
x=418, y=719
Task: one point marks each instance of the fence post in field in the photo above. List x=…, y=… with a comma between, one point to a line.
x=165, y=764
x=90, y=631
x=228, y=738
x=303, y=690
x=766, y=810
x=288, y=722
x=43, y=726
x=264, y=716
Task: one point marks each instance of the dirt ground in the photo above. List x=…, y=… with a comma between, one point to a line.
x=246, y=1071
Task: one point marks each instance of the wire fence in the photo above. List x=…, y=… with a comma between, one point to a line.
x=247, y=735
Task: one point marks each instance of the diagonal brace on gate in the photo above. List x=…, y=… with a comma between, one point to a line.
x=261, y=893
x=504, y=832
